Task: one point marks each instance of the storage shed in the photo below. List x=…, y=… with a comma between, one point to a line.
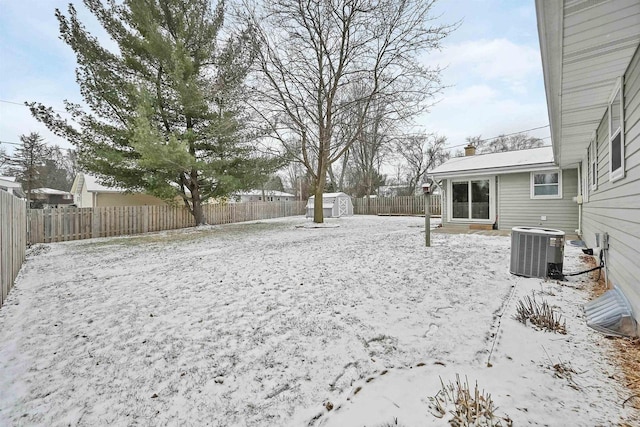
x=334, y=205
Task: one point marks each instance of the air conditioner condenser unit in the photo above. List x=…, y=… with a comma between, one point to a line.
x=537, y=252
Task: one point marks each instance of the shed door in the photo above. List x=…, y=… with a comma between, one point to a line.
x=343, y=206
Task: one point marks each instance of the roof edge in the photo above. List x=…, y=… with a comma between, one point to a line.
x=550, y=18
x=503, y=170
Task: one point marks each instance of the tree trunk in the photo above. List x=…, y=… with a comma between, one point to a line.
x=196, y=201
x=198, y=215
x=318, y=213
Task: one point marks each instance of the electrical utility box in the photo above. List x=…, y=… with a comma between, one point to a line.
x=537, y=252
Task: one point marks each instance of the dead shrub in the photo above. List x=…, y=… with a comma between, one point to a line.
x=393, y=423
x=466, y=408
x=539, y=314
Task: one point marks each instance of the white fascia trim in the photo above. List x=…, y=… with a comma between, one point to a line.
x=550, y=20
x=495, y=171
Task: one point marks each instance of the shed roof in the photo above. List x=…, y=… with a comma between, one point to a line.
x=326, y=195
x=497, y=163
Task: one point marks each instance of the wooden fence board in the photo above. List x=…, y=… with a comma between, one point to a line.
x=13, y=240
x=62, y=224
x=54, y=225
x=406, y=205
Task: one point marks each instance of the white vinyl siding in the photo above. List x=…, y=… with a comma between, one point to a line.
x=614, y=207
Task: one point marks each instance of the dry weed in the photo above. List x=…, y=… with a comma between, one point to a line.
x=466, y=408
x=562, y=370
x=393, y=423
x=540, y=315
x=626, y=351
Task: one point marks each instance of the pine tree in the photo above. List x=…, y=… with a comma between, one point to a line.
x=165, y=114
x=27, y=161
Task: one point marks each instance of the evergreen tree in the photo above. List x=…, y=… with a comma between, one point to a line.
x=27, y=161
x=4, y=158
x=165, y=114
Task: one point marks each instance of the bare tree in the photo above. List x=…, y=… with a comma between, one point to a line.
x=369, y=148
x=421, y=153
x=519, y=141
x=314, y=52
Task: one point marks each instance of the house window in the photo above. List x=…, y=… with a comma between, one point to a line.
x=593, y=169
x=470, y=199
x=546, y=185
x=616, y=134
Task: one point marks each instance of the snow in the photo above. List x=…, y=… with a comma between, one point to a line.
x=263, y=323
x=52, y=191
x=274, y=193
x=517, y=161
x=330, y=195
x=93, y=186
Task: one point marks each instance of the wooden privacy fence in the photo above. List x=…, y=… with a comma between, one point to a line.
x=62, y=224
x=404, y=205
x=13, y=240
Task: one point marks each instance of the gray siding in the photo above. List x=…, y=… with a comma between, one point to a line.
x=516, y=208
x=615, y=207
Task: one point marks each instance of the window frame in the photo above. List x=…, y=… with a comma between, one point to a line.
x=585, y=185
x=615, y=175
x=532, y=185
x=593, y=163
x=492, y=199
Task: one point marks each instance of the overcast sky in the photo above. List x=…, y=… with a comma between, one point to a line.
x=493, y=70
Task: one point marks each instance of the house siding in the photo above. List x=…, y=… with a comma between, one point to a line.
x=118, y=199
x=614, y=208
x=516, y=208
x=86, y=198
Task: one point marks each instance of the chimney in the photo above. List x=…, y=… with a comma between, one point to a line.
x=469, y=150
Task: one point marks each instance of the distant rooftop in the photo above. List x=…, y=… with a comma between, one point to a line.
x=94, y=186
x=51, y=191
x=266, y=192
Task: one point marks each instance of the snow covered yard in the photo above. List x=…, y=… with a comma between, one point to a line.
x=264, y=323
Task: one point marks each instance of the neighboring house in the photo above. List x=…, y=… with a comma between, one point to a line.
x=591, y=65
x=88, y=193
x=269, y=196
x=50, y=198
x=9, y=184
x=508, y=189
x=334, y=205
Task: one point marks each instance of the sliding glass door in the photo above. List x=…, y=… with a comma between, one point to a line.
x=471, y=199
